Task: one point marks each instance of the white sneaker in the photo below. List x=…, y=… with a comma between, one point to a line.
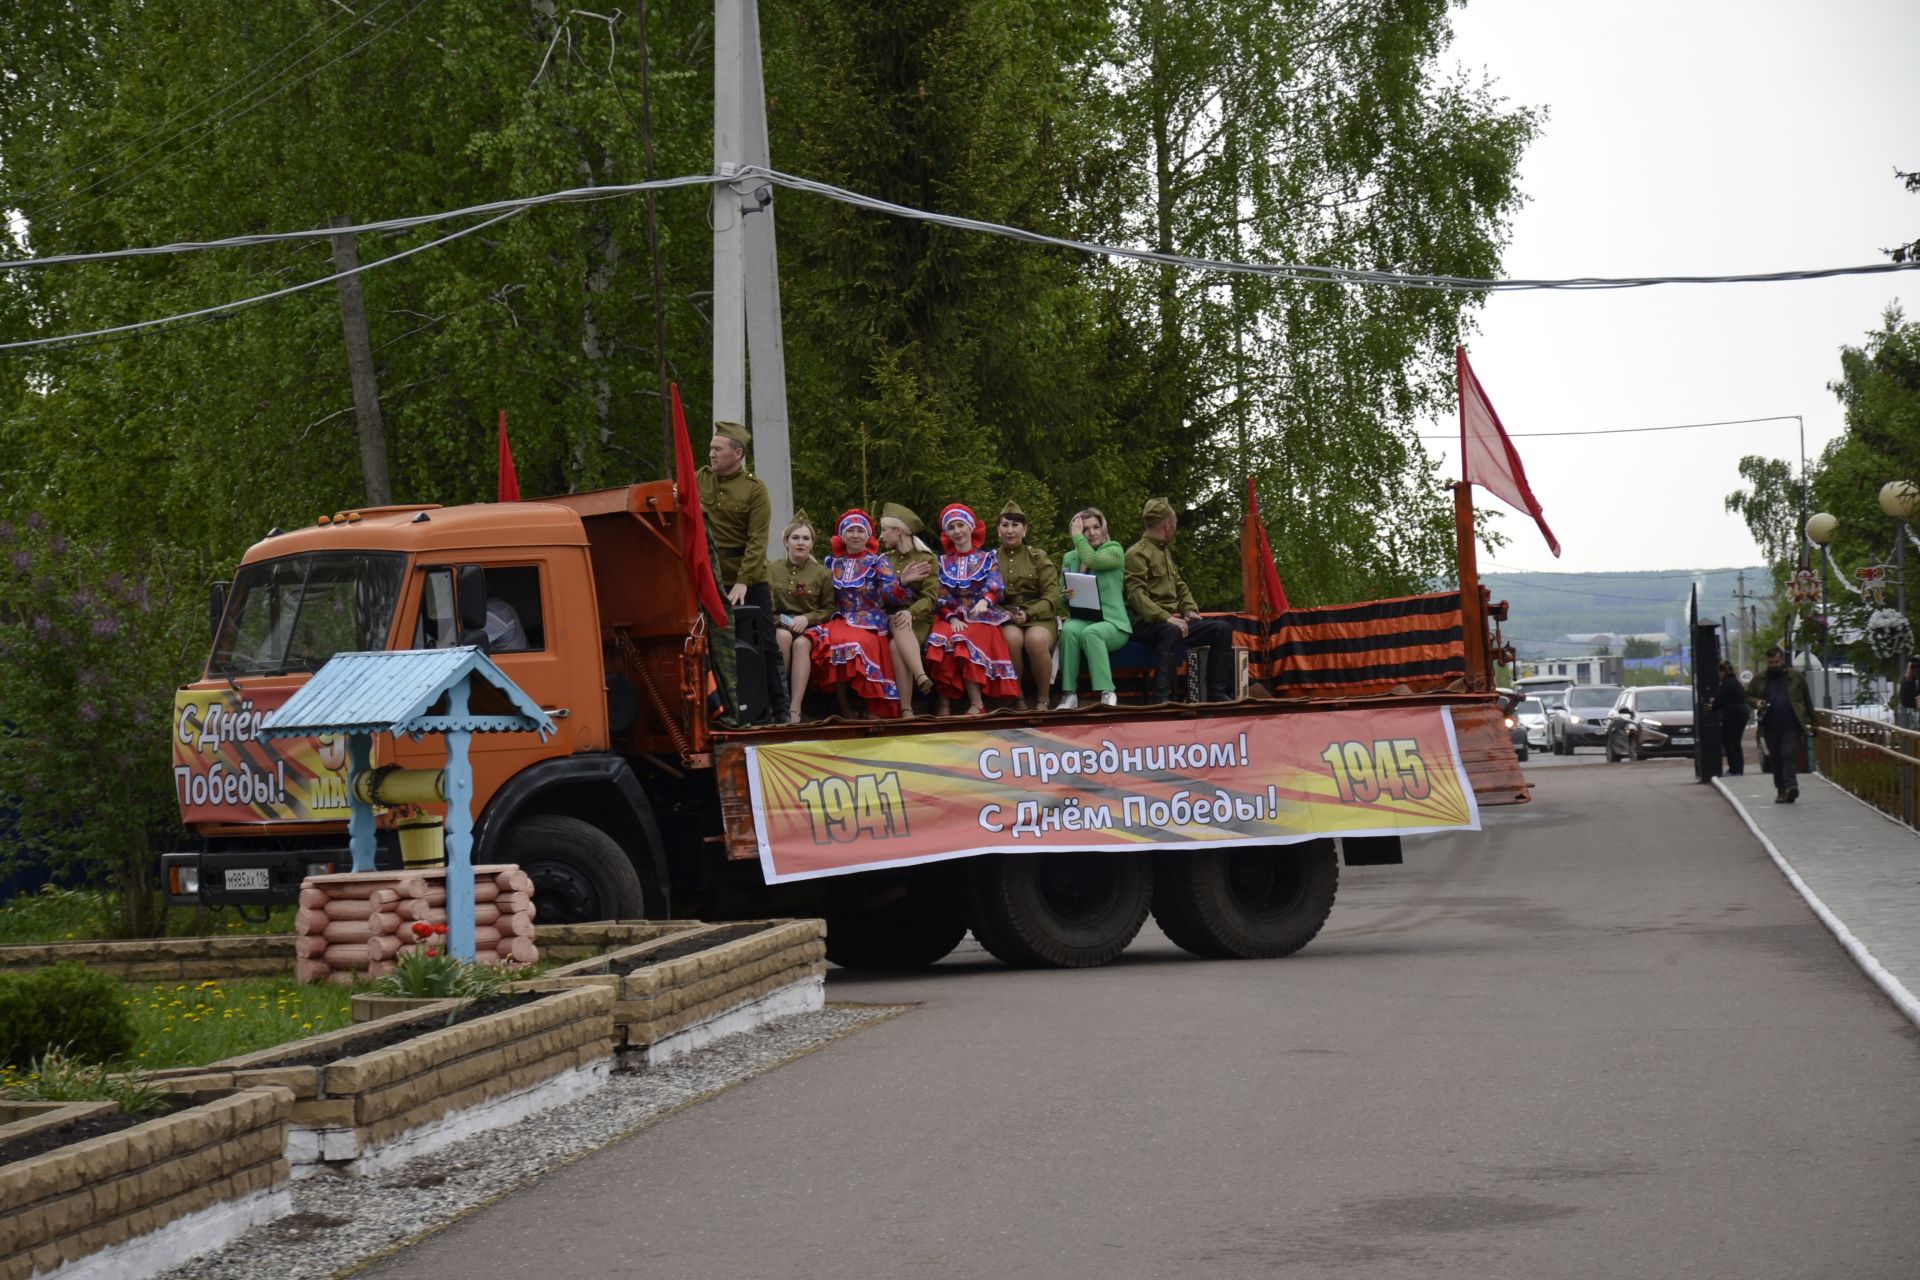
x=1068, y=702
x=1109, y=699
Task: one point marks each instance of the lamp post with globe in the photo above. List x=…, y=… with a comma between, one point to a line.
x=1888, y=631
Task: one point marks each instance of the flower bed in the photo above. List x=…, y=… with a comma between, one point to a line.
x=148, y=1195
x=677, y=992
x=432, y=1078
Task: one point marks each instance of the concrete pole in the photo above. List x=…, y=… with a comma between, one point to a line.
x=360, y=371
x=746, y=278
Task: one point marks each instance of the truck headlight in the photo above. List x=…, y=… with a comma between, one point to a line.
x=186, y=881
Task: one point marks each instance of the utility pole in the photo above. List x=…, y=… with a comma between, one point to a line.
x=746, y=280
x=366, y=387
x=1743, y=615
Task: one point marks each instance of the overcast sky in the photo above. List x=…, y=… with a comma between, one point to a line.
x=1686, y=137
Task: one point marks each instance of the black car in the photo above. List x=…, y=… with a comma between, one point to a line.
x=1656, y=720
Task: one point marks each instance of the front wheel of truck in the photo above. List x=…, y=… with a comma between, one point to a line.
x=579, y=872
x=911, y=932
x=1059, y=910
x=1254, y=903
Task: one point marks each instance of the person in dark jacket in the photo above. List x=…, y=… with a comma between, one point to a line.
x=1730, y=700
x=1779, y=694
x=1909, y=702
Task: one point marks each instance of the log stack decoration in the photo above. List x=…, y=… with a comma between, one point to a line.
x=356, y=925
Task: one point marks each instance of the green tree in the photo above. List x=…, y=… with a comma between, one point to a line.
x=1638, y=648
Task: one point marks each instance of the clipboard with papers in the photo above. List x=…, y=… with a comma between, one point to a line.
x=1083, y=596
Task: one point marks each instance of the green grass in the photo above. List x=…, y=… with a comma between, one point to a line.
x=69, y=915
x=192, y=1024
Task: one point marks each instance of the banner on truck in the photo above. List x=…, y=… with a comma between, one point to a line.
x=832, y=807
x=223, y=771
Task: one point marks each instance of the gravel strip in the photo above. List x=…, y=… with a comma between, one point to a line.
x=340, y=1223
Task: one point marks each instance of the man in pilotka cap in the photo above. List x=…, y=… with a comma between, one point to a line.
x=739, y=511
x=1164, y=613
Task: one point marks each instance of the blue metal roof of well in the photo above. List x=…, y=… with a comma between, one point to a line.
x=390, y=692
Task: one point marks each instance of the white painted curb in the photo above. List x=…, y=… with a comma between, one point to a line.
x=805, y=996
x=179, y=1241
x=1896, y=990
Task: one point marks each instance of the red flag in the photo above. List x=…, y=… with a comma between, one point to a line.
x=1260, y=590
x=1488, y=458
x=693, y=524
x=509, y=482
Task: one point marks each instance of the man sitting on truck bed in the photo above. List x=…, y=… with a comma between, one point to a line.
x=1164, y=611
x=738, y=511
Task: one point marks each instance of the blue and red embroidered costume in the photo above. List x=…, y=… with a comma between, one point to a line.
x=851, y=647
x=974, y=652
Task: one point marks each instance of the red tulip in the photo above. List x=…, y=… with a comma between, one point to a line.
x=421, y=929
x=431, y=953
x=439, y=928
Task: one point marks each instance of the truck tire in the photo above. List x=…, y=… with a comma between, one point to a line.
x=1254, y=903
x=908, y=933
x=1059, y=910
x=579, y=872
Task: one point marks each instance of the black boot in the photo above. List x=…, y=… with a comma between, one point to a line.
x=1163, y=673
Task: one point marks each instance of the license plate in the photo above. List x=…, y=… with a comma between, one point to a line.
x=248, y=878
x=1682, y=742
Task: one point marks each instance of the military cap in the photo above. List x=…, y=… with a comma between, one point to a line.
x=800, y=517
x=894, y=511
x=1156, y=510
x=733, y=431
x=1012, y=511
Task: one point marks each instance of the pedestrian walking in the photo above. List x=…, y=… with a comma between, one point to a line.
x=1730, y=700
x=1908, y=703
x=1779, y=696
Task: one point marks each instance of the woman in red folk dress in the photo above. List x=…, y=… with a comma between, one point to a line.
x=966, y=651
x=850, y=649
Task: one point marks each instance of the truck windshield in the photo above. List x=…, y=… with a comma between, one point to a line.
x=294, y=613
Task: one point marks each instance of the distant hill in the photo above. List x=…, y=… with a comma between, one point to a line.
x=1547, y=606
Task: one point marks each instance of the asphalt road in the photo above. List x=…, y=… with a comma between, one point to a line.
x=1601, y=1039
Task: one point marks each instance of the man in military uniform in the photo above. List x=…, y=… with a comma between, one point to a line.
x=915, y=566
x=1032, y=598
x=738, y=512
x=1164, y=614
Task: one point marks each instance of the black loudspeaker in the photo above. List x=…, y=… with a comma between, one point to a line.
x=750, y=633
x=1706, y=720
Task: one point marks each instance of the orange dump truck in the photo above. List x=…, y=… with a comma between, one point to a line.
x=1049, y=835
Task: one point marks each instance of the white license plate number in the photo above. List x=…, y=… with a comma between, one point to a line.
x=1683, y=742
x=248, y=878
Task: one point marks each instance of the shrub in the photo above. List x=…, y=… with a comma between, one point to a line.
x=67, y=1007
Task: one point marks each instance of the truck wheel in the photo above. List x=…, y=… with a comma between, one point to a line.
x=908, y=933
x=1059, y=910
x=1253, y=903
x=579, y=872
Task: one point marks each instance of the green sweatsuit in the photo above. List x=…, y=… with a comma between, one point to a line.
x=1107, y=563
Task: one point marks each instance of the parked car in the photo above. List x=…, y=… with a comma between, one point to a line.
x=1655, y=720
x=1581, y=719
x=1532, y=715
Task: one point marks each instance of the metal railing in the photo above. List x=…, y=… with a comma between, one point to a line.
x=1876, y=761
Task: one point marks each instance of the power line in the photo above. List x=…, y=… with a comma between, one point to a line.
x=1301, y=272
x=225, y=308
x=1628, y=431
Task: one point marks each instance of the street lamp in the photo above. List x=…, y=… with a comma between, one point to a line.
x=1820, y=529
x=1899, y=499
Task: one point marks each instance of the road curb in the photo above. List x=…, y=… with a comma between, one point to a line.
x=1903, y=999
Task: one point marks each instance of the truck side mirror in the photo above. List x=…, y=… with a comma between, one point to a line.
x=472, y=593
x=216, y=605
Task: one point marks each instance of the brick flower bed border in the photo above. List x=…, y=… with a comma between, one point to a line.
x=136, y=1201
x=369, y=1112
x=271, y=954
x=661, y=1011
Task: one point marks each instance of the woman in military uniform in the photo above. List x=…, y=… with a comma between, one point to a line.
x=913, y=564
x=849, y=651
x=965, y=651
x=802, y=591
x=1032, y=604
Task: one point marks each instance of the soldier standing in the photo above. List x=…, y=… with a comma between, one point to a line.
x=1164, y=613
x=738, y=512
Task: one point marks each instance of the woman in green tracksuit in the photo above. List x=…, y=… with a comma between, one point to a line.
x=1096, y=553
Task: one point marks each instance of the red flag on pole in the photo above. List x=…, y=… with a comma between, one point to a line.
x=509, y=482
x=1260, y=590
x=1488, y=458
x=693, y=523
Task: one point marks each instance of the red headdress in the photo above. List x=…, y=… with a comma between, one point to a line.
x=851, y=516
x=965, y=512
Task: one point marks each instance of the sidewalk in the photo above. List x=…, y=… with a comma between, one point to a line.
x=1859, y=871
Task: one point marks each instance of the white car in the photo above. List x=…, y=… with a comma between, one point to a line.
x=1532, y=715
